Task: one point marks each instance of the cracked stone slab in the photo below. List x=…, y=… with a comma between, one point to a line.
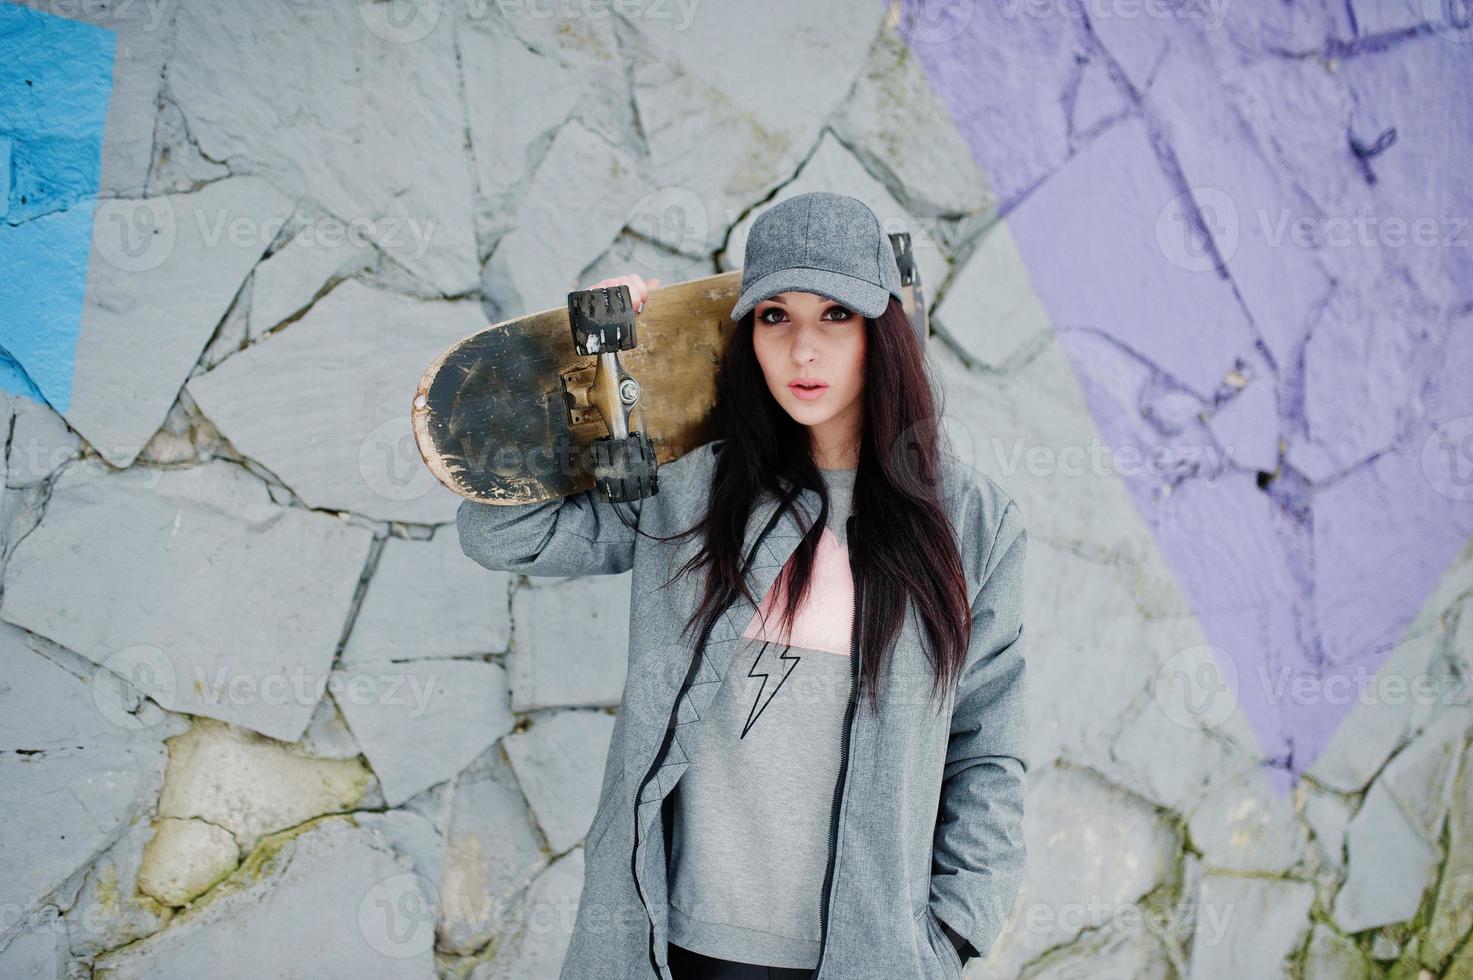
x=1243, y=824
x=110, y=910
x=583, y=194
x=991, y=309
x=322, y=251
x=516, y=100
x=536, y=950
x=1249, y=927
x=329, y=900
x=1391, y=865
x=1331, y=956
x=153, y=300
x=40, y=442
x=125, y=569
x=492, y=852
x=251, y=786
x=1093, y=851
x=571, y=644
x=76, y=769
x=370, y=127
x=330, y=423
x=559, y=762
x=421, y=722
x=427, y=600
x=1452, y=914
x=720, y=136
x=900, y=129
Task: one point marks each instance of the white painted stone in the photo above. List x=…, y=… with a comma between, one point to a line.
x=559, y=762
x=422, y=721
x=493, y=851
x=516, y=98
x=571, y=645
x=722, y=136
x=427, y=600
x=154, y=300
x=900, y=127
x=579, y=200
x=1452, y=914
x=1422, y=775
x=163, y=576
x=327, y=735
x=110, y=910
x=325, y=404
x=1391, y=865
x=1244, y=824
x=1093, y=852
x=413, y=836
x=990, y=308
x=371, y=128
x=1249, y=927
x=74, y=774
x=1328, y=818
x=1376, y=724
x=288, y=281
x=536, y=951
x=334, y=900
x=1331, y=956
x=40, y=442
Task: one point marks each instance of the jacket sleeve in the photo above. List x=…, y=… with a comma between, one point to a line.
x=978, y=853
x=580, y=534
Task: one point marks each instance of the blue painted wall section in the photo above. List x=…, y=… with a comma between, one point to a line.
x=56, y=79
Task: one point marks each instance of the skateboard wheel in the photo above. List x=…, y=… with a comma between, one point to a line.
x=602, y=319
x=625, y=469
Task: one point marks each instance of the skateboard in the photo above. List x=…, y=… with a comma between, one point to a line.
x=592, y=394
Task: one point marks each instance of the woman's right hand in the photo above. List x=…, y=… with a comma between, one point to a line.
x=639, y=289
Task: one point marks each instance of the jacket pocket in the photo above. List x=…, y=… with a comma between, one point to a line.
x=604, y=816
x=940, y=944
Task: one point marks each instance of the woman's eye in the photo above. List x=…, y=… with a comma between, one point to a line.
x=843, y=313
x=768, y=313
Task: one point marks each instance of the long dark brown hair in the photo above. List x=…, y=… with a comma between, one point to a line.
x=905, y=548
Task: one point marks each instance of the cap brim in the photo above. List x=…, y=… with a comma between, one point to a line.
x=864, y=298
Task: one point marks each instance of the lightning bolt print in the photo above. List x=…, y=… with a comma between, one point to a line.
x=790, y=659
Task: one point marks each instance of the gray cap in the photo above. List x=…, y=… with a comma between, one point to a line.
x=824, y=243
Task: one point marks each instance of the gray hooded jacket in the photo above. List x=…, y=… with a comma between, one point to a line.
x=927, y=821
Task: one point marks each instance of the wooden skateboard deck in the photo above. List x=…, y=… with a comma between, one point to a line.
x=510, y=414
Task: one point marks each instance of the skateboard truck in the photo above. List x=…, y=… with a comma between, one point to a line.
x=602, y=321
x=910, y=275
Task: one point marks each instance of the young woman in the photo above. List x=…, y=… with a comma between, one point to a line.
x=818, y=767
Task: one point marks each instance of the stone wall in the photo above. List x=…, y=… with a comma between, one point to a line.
x=1202, y=294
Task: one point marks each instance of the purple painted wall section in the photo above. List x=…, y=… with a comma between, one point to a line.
x=1249, y=225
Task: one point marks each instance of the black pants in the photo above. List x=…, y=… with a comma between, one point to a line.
x=687, y=964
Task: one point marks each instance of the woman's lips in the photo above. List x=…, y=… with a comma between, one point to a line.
x=809, y=393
